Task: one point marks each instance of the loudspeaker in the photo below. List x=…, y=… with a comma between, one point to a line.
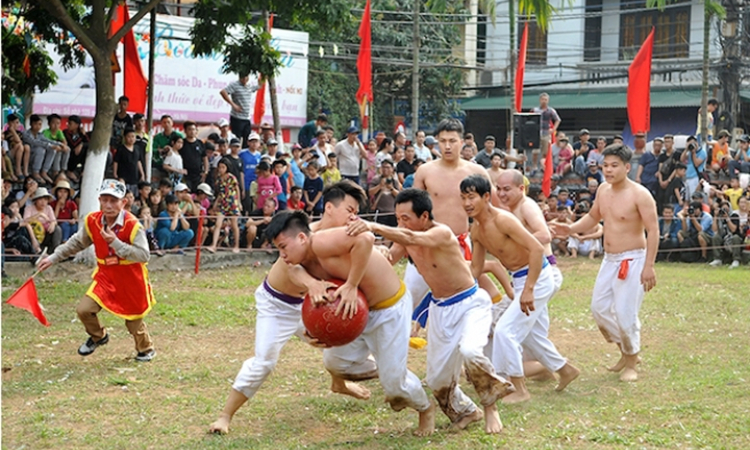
x=526, y=129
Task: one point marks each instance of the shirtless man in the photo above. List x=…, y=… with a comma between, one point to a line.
x=525, y=324
x=495, y=170
x=459, y=311
x=440, y=178
x=627, y=271
x=279, y=304
x=333, y=253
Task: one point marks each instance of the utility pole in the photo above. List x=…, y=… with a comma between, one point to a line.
x=150, y=107
x=415, y=70
x=272, y=92
x=732, y=40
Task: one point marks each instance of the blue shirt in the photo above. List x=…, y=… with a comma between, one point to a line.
x=650, y=165
x=312, y=187
x=283, y=179
x=706, y=221
x=409, y=181
x=691, y=173
x=249, y=162
x=297, y=176
x=674, y=227
x=166, y=222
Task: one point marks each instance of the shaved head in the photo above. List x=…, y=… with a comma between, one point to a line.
x=511, y=176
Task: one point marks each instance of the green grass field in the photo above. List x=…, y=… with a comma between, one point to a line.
x=693, y=390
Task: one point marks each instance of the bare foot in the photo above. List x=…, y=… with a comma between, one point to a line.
x=221, y=426
x=517, y=397
x=621, y=364
x=235, y=250
x=492, y=423
x=426, y=421
x=567, y=374
x=351, y=389
x=210, y=249
x=476, y=416
x=629, y=375
x=544, y=376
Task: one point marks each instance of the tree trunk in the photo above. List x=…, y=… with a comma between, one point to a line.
x=704, y=88
x=96, y=159
x=415, y=70
x=272, y=93
x=731, y=64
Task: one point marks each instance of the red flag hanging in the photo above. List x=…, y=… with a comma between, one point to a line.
x=260, y=102
x=521, y=67
x=27, y=66
x=364, y=60
x=639, y=88
x=26, y=298
x=547, y=179
x=136, y=83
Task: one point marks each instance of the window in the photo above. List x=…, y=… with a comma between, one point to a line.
x=672, y=29
x=536, y=52
x=592, y=39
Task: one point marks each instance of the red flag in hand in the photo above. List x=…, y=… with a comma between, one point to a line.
x=26, y=298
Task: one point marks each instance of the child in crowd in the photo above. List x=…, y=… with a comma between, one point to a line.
x=202, y=197
x=676, y=188
x=371, y=161
x=155, y=203
x=66, y=210
x=281, y=169
x=409, y=180
x=173, y=160
x=565, y=160
x=144, y=216
x=593, y=172
x=733, y=193
x=332, y=174
x=313, y=190
x=295, y=202
x=61, y=156
x=269, y=185
x=78, y=143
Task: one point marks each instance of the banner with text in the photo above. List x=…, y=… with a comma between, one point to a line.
x=185, y=87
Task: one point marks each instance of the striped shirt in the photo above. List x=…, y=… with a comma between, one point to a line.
x=241, y=95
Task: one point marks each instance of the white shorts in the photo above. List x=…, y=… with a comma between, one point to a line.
x=456, y=338
x=415, y=284
x=276, y=322
x=615, y=302
x=517, y=333
x=585, y=247
x=386, y=336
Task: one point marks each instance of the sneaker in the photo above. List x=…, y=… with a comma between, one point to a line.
x=89, y=346
x=735, y=264
x=715, y=263
x=145, y=356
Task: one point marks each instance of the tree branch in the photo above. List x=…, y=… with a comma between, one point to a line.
x=112, y=42
x=110, y=15
x=56, y=8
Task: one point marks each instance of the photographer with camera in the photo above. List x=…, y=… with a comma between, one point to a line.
x=669, y=228
x=382, y=191
x=728, y=235
x=694, y=158
x=697, y=231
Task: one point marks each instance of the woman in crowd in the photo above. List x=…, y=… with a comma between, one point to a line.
x=227, y=205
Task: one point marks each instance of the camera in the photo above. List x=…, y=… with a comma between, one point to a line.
x=691, y=146
x=389, y=181
x=691, y=210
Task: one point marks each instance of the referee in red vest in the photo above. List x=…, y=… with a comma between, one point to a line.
x=121, y=284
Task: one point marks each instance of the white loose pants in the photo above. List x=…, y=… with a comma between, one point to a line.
x=456, y=337
x=516, y=332
x=276, y=323
x=386, y=336
x=615, y=303
x=415, y=284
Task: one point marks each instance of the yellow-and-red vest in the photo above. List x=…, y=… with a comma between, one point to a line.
x=120, y=286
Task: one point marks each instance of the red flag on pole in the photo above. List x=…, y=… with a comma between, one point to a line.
x=260, y=102
x=639, y=88
x=136, y=83
x=364, y=61
x=26, y=298
x=521, y=67
x=547, y=179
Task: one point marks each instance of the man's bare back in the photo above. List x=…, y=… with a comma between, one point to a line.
x=441, y=179
x=380, y=282
x=532, y=218
x=494, y=174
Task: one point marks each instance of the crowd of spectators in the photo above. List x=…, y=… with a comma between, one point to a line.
x=235, y=182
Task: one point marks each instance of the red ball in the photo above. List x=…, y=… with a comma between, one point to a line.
x=323, y=324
